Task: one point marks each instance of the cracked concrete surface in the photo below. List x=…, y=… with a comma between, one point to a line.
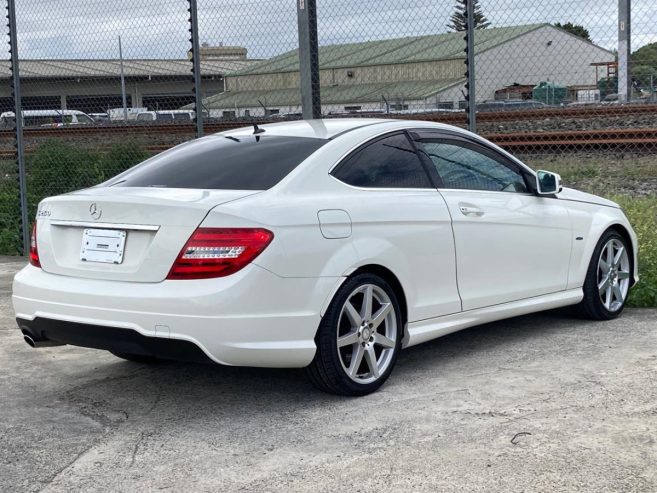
x=582, y=396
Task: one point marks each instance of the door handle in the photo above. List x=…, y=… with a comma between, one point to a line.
x=470, y=210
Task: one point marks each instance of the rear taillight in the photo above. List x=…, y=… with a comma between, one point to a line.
x=219, y=252
x=34, y=251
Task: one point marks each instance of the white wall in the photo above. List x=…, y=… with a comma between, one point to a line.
x=544, y=54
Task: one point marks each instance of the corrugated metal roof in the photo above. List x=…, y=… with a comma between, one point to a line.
x=388, y=51
x=43, y=69
x=345, y=94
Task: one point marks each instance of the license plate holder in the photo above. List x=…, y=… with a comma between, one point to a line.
x=103, y=245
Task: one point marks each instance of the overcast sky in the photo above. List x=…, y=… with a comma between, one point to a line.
x=158, y=28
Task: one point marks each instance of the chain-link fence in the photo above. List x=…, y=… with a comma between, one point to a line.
x=567, y=85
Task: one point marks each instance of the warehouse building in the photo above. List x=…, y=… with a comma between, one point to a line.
x=416, y=73
x=94, y=86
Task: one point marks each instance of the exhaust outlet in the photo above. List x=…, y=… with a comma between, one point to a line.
x=29, y=340
x=36, y=342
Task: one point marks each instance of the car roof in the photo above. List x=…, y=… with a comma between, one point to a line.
x=333, y=127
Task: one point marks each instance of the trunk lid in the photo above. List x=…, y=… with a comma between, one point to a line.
x=156, y=221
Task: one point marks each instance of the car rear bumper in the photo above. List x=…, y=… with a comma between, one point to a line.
x=252, y=318
x=113, y=339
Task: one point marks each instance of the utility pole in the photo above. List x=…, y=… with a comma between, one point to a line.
x=311, y=104
x=125, y=99
x=624, y=50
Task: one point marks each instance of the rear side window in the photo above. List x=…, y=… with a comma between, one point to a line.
x=222, y=163
x=390, y=162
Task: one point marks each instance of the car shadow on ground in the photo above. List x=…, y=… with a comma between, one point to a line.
x=115, y=390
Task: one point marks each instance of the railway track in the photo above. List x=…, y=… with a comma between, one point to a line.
x=640, y=139
x=623, y=139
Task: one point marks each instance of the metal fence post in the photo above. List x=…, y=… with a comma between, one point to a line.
x=471, y=101
x=18, y=112
x=311, y=104
x=123, y=94
x=624, y=48
x=196, y=66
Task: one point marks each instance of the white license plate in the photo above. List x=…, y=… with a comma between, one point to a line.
x=103, y=245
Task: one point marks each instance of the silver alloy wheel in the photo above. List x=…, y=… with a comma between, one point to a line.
x=367, y=334
x=613, y=275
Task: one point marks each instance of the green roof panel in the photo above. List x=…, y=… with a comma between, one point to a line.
x=390, y=51
x=345, y=94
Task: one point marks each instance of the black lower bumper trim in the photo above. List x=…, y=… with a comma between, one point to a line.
x=113, y=339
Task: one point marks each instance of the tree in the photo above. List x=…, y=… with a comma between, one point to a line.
x=643, y=63
x=576, y=29
x=457, y=20
x=646, y=55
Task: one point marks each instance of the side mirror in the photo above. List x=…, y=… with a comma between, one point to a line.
x=547, y=183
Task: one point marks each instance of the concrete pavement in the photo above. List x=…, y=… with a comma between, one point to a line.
x=580, y=398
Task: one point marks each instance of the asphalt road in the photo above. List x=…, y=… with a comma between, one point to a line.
x=580, y=398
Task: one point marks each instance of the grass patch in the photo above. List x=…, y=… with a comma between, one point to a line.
x=642, y=213
x=601, y=174
x=56, y=168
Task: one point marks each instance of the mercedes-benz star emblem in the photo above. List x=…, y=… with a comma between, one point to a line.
x=95, y=211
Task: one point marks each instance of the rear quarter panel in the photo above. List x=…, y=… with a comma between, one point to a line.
x=406, y=231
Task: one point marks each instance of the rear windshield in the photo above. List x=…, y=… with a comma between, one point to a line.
x=222, y=163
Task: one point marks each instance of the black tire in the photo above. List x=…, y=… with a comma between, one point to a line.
x=138, y=358
x=591, y=306
x=326, y=372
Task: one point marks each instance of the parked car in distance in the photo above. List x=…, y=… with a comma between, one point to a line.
x=100, y=117
x=324, y=244
x=46, y=118
x=528, y=104
x=489, y=106
x=510, y=105
x=125, y=114
x=166, y=116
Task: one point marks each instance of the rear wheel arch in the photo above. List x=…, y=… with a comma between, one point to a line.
x=394, y=282
x=367, y=344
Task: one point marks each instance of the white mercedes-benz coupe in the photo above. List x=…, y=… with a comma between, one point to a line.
x=326, y=244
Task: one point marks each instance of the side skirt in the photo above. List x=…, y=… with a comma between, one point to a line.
x=425, y=330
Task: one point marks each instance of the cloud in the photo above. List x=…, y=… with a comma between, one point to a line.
x=159, y=28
